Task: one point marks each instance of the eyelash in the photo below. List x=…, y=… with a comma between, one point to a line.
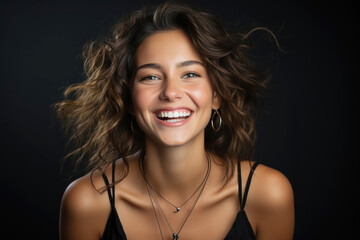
x=191, y=73
x=153, y=77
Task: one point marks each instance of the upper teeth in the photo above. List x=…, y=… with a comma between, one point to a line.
x=173, y=114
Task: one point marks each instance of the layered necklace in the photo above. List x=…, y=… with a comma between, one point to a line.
x=152, y=192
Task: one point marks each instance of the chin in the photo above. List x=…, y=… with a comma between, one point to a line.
x=173, y=142
x=177, y=140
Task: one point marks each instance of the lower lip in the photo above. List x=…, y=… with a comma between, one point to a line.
x=173, y=124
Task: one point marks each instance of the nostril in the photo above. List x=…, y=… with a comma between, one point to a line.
x=171, y=92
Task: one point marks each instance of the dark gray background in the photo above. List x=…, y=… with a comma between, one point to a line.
x=307, y=129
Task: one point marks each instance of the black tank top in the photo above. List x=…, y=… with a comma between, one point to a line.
x=240, y=230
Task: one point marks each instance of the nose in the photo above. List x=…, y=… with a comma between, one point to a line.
x=172, y=90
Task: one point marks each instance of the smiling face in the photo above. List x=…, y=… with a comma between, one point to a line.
x=172, y=96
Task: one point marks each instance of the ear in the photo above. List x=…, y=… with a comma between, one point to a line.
x=216, y=101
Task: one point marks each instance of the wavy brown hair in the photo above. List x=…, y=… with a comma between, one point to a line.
x=95, y=111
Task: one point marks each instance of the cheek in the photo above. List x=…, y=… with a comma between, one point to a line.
x=202, y=95
x=140, y=99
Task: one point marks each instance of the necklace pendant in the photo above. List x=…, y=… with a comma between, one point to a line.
x=177, y=210
x=175, y=236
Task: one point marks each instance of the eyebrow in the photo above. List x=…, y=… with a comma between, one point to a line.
x=188, y=63
x=158, y=66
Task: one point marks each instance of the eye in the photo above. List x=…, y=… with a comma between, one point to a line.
x=191, y=75
x=150, y=78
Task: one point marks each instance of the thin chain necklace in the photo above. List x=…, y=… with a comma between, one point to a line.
x=157, y=219
x=177, y=208
x=152, y=196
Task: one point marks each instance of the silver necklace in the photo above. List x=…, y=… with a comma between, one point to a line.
x=152, y=196
x=177, y=208
x=157, y=219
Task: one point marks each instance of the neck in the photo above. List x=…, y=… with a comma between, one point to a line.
x=177, y=170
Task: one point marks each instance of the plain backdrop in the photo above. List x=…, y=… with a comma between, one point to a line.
x=306, y=130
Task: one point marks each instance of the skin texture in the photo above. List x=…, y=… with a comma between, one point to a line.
x=176, y=79
x=170, y=75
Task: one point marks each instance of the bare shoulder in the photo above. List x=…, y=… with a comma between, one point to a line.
x=271, y=204
x=84, y=209
x=272, y=187
x=81, y=194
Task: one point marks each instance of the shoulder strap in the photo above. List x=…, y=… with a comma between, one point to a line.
x=111, y=191
x=239, y=183
x=243, y=199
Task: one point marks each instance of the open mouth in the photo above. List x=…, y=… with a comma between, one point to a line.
x=173, y=116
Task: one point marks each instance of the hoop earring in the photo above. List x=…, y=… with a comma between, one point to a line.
x=219, y=120
x=132, y=126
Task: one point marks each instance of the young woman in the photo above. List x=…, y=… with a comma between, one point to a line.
x=164, y=122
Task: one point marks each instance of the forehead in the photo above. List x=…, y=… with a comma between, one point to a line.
x=167, y=47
